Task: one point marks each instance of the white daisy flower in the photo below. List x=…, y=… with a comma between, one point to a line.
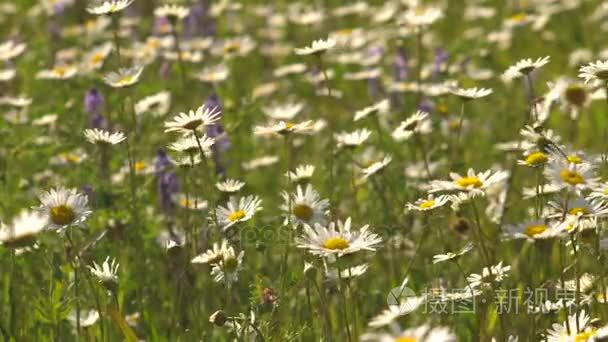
x=238, y=210
x=10, y=49
x=214, y=255
x=285, y=111
x=109, y=6
x=377, y=108
x=190, y=202
x=172, y=11
x=94, y=59
x=417, y=123
x=88, y=318
x=584, y=332
x=525, y=67
x=534, y=159
x=102, y=137
x=23, y=229
x=124, y=77
x=230, y=185
x=305, y=206
x=473, y=182
x=374, y=168
x=301, y=173
x=337, y=239
x=59, y=72
x=531, y=231
x=192, y=145
x=599, y=192
x=594, y=71
x=107, y=273
x=488, y=276
x=574, y=177
x=471, y=93
x=579, y=207
x=352, y=139
x=451, y=256
x=158, y=104
x=317, y=47
x=187, y=123
x=227, y=269
x=213, y=74
x=418, y=16
x=429, y=203
x=283, y=128
x=348, y=273
x=64, y=207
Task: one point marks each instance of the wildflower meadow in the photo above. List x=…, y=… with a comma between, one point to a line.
x=366, y=170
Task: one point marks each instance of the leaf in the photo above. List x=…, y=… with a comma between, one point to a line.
x=119, y=320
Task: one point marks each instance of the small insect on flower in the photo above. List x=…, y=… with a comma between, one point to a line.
x=23, y=230
x=101, y=137
x=108, y=6
x=193, y=120
x=305, y=206
x=64, y=207
x=524, y=67
x=238, y=210
x=107, y=273
x=594, y=71
x=230, y=185
x=337, y=239
x=317, y=47
x=429, y=203
x=124, y=77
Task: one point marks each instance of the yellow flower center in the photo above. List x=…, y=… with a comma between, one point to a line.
x=344, y=32
x=303, y=212
x=536, y=158
x=578, y=211
x=230, y=264
x=60, y=71
x=237, y=215
x=585, y=336
x=519, y=17
x=406, y=339
x=125, y=80
x=442, y=108
x=140, y=166
x=534, y=230
x=97, y=58
x=335, y=243
x=576, y=95
x=184, y=202
x=574, y=159
x=467, y=182
x=427, y=204
x=571, y=177
x=62, y=215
